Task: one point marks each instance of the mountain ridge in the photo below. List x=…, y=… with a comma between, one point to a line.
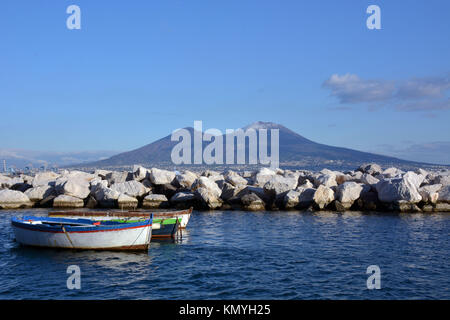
x=294, y=150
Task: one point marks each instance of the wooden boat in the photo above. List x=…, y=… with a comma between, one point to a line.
x=161, y=228
x=167, y=227
x=131, y=215
x=82, y=233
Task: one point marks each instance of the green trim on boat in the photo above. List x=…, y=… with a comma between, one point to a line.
x=164, y=221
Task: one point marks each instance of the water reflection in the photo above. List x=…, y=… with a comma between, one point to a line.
x=109, y=261
x=326, y=217
x=62, y=255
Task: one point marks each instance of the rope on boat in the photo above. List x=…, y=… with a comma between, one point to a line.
x=67, y=235
x=149, y=239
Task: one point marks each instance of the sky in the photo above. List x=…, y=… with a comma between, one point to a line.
x=137, y=70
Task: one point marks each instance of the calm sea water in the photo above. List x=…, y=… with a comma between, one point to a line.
x=245, y=255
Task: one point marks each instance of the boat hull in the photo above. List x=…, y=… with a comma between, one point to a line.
x=165, y=230
x=133, y=237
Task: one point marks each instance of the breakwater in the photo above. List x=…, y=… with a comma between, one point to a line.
x=367, y=188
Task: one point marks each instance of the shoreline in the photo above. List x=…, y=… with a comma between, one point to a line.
x=367, y=188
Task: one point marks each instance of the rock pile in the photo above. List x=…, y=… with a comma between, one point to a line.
x=367, y=188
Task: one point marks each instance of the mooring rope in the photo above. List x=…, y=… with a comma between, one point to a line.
x=139, y=236
x=68, y=238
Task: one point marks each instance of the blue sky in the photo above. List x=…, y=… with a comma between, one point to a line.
x=139, y=69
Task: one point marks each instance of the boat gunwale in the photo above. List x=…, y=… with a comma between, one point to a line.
x=130, y=213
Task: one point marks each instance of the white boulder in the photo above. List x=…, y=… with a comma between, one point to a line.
x=11, y=199
x=369, y=179
x=277, y=185
x=348, y=192
x=229, y=191
x=159, y=177
x=79, y=176
x=235, y=179
x=444, y=194
x=7, y=182
x=398, y=189
x=65, y=201
x=262, y=176
x=44, y=178
x=430, y=193
x=306, y=184
x=252, y=202
x=126, y=202
x=186, y=179
x=326, y=179
x=38, y=193
x=414, y=178
x=131, y=188
x=76, y=188
x=291, y=199
x=208, y=197
x=105, y=196
x=443, y=179
x=323, y=196
x=153, y=201
x=392, y=173
x=118, y=177
x=371, y=168
x=207, y=183
x=101, y=173
x=140, y=173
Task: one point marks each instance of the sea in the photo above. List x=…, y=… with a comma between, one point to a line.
x=247, y=255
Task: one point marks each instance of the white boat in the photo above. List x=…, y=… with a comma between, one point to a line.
x=82, y=233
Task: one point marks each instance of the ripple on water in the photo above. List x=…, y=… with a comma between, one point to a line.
x=246, y=255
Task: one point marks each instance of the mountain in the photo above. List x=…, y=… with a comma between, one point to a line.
x=295, y=151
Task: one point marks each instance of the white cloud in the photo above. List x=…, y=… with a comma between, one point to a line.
x=417, y=94
x=424, y=88
x=349, y=88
